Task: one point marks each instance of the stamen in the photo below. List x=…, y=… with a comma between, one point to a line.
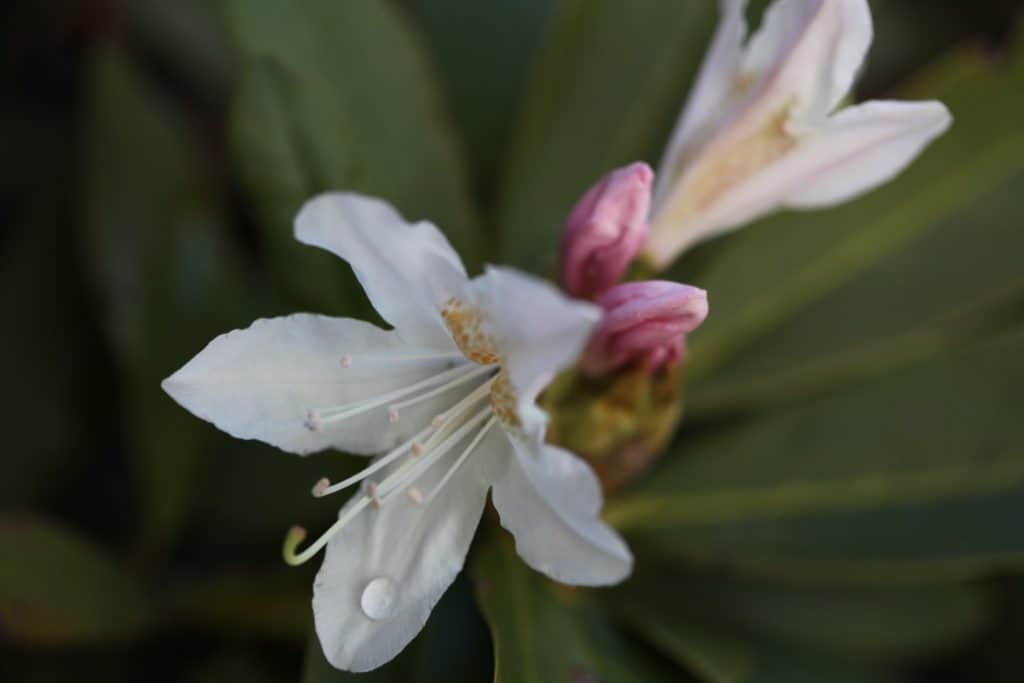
x=357, y=408
x=297, y=534
x=406, y=475
x=388, y=358
x=312, y=422
x=461, y=459
x=371, y=490
x=452, y=414
x=346, y=361
x=379, y=494
x=478, y=370
x=392, y=415
x=411, y=444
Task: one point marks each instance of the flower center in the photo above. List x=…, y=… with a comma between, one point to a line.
x=466, y=325
x=503, y=400
x=733, y=162
x=466, y=422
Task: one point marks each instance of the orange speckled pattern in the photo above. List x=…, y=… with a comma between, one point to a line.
x=465, y=324
x=503, y=400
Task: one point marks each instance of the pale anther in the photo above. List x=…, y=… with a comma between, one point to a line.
x=381, y=462
x=371, y=491
x=346, y=361
x=401, y=479
x=320, y=488
x=312, y=422
x=392, y=415
x=415, y=495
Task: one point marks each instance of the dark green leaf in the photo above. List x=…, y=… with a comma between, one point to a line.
x=544, y=632
x=58, y=589
x=718, y=655
x=338, y=96
x=278, y=168
x=919, y=473
x=483, y=50
x=239, y=603
x=43, y=426
x=235, y=666
x=609, y=82
x=918, y=621
x=163, y=273
x=909, y=34
x=188, y=34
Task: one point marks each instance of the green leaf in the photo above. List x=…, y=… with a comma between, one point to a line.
x=609, y=82
x=339, y=96
x=188, y=34
x=238, y=603
x=485, y=84
x=919, y=474
x=900, y=47
x=58, y=589
x=43, y=424
x=278, y=173
x=162, y=270
x=919, y=621
x=452, y=647
x=235, y=665
x=807, y=301
x=718, y=655
x=544, y=632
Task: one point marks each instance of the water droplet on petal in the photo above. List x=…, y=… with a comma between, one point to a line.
x=380, y=598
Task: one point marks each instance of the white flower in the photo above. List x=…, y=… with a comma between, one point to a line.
x=447, y=396
x=761, y=131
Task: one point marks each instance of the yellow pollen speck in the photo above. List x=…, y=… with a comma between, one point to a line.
x=503, y=400
x=466, y=325
x=727, y=167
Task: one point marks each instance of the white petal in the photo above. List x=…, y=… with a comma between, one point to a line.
x=809, y=51
x=416, y=549
x=408, y=270
x=860, y=148
x=261, y=382
x=850, y=153
x=539, y=332
x=711, y=93
x=854, y=151
x=550, y=500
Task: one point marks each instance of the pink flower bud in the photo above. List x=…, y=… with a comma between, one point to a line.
x=645, y=324
x=605, y=231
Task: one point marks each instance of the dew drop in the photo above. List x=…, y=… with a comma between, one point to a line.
x=379, y=599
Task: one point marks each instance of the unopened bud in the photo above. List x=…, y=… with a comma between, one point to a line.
x=644, y=325
x=605, y=231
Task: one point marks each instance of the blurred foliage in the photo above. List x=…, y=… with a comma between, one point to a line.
x=845, y=499
x=58, y=589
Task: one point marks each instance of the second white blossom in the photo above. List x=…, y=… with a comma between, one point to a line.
x=761, y=129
